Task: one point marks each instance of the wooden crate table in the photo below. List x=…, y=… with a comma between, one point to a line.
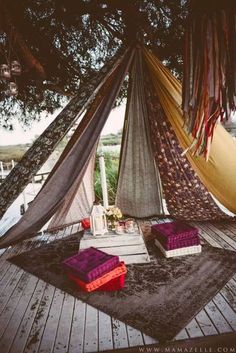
x=130, y=248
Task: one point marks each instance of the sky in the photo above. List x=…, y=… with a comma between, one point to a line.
x=21, y=136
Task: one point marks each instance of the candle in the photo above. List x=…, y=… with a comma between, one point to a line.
x=98, y=223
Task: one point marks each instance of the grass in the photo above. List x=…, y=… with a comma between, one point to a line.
x=112, y=165
x=15, y=152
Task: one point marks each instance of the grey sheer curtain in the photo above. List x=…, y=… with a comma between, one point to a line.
x=139, y=189
x=45, y=144
x=72, y=168
x=78, y=202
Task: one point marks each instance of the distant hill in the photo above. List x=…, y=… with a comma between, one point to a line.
x=111, y=139
x=9, y=152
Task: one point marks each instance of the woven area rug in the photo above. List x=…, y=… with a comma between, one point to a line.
x=159, y=297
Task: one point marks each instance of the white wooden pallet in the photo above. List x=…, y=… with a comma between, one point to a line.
x=130, y=248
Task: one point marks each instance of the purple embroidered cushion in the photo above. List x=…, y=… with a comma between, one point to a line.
x=178, y=244
x=90, y=264
x=173, y=232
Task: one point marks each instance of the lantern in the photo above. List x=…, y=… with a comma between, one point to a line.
x=98, y=222
x=15, y=68
x=12, y=89
x=5, y=71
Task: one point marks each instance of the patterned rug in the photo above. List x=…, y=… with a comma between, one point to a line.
x=160, y=298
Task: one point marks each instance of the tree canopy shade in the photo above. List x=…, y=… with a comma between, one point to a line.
x=63, y=43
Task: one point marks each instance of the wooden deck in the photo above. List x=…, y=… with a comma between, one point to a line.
x=37, y=317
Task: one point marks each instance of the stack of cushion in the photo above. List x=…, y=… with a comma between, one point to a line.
x=176, y=238
x=92, y=269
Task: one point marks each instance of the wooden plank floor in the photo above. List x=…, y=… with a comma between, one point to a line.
x=37, y=317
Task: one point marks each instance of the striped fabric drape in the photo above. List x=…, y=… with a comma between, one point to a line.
x=209, y=83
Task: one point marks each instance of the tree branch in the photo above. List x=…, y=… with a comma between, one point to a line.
x=57, y=89
x=110, y=28
x=29, y=59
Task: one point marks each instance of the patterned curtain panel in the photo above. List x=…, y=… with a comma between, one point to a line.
x=139, y=190
x=42, y=148
x=186, y=197
x=78, y=202
x=218, y=173
x=71, y=169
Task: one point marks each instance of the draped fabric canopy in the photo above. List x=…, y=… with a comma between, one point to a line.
x=77, y=203
x=139, y=189
x=72, y=165
x=138, y=186
x=186, y=197
x=154, y=138
x=209, y=83
x=45, y=144
x=218, y=173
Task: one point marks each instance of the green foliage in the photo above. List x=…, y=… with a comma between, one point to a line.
x=72, y=39
x=112, y=165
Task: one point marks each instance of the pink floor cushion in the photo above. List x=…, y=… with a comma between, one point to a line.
x=90, y=264
x=177, y=244
x=105, y=282
x=176, y=234
x=117, y=283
